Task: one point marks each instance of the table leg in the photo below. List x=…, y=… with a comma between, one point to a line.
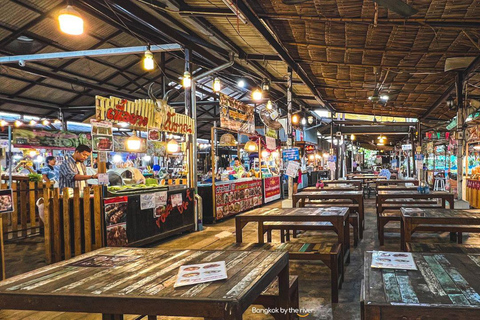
x=239, y=224
x=343, y=227
x=283, y=284
x=407, y=230
x=294, y=201
x=361, y=214
x=112, y=316
x=260, y=232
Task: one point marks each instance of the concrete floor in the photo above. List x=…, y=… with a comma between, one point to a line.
x=314, y=277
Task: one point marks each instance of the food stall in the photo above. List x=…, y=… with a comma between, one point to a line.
x=140, y=210
x=228, y=193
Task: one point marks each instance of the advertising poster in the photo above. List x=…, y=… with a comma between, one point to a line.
x=271, y=143
x=116, y=221
x=6, y=201
x=237, y=197
x=160, y=203
x=200, y=273
x=292, y=169
x=102, y=143
x=271, y=189
x=24, y=138
x=236, y=115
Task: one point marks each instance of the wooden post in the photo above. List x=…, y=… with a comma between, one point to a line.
x=15, y=211
x=97, y=202
x=2, y=253
x=47, y=225
x=87, y=220
x=57, y=248
x=77, y=222
x=23, y=207
x=66, y=224
x=32, y=203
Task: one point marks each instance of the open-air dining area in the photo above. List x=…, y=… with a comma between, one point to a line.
x=239, y=159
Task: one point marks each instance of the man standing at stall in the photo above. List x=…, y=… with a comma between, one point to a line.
x=73, y=172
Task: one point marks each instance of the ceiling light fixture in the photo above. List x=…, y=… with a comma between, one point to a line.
x=148, y=62
x=172, y=146
x=70, y=21
x=257, y=95
x=269, y=105
x=187, y=80
x=295, y=119
x=304, y=121
x=217, y=85
x=241, y=83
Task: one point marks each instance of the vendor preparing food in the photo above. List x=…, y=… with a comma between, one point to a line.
x=238, y=168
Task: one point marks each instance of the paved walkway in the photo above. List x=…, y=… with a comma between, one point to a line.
x=314, y=276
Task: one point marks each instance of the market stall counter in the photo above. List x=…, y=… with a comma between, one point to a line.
x=231, y=197
x=140, y=216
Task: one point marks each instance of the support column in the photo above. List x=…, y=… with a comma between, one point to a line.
x=414, y=151
x=189, y=97
x=289, y=126
x=460, y=134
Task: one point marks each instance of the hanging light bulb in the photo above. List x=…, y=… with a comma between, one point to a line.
x=310, y=119
x=70, y=21
x=18, y=123
x=57, y=121
x=265, y=154
x=45, y=122
x=304, y=121
x=33, y=122
x=187, y=80
x=257, y=95
x=352, y=137
x=134, y=143
x=172, y=146
x=148, y=62
x=295, y=119
x=269, y=105
x=216, y=85
x=266, y=85
x=250, y=146
x=241, y=83
x=117, y=158
x=3, y=123
x=147, y=158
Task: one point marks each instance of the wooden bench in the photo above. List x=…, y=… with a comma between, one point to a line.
x=393, y=214
x=269, y=297
x=353, y=214
x=442, y=248
x=329, y=253
x=285, y=227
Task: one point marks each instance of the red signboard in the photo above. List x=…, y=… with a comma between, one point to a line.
x=310, y=149
x=271, y=189
x=235, y=197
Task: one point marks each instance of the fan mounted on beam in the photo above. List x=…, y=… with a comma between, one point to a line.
x=397, y=6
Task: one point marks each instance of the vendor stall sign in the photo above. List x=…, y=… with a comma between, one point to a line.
x=236, y=115
x=143, y=114
x=116, y=221
x=153, y=135
x=235, y=197
x=291, y=154
x=24, y=138
x=406, y=147
x=292, y=169
x=310, y=149
x=271, y=190
x=271, y=133
x=175, y=204
x=6, y=201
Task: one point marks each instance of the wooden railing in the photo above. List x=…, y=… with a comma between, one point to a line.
x=24, y=220
x=73, y=225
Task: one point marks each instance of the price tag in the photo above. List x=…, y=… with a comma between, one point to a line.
x=103, y=179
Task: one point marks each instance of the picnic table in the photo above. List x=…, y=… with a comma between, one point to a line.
x=337, y=216
x=384, y=182
x=140, y=281
x=452, y=220
x=355, y=196
x=332, y=183
x=337, y=187
x=384, y=196
x=445, y=286
x=396, y=188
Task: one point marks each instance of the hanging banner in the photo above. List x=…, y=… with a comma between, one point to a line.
x=143, y=114
x=24, y=138
x=271, y=133
x=310, y=149
x=236, y=115
x=291, y=154
x=271, y=143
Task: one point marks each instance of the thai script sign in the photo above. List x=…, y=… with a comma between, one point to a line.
x=236, y=115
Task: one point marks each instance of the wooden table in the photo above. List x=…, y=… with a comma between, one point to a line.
x=331, y=183
x=446, y=286
x=337, y=187
x=396, y=188
x=145, y=285
x=382, y=196
x=441, y=219
x=355, y=196
x=337, y=216
x=395, y=182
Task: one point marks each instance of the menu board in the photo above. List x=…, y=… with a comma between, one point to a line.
x=24, y=138
x=235, y=197
x=116, y=221
x=271, y=189
x=236, y=115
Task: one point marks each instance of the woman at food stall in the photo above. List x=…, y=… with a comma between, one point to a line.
x=238, y=168
x=49, y=172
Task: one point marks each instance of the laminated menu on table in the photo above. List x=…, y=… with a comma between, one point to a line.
x=393, y=260
x=200, y=273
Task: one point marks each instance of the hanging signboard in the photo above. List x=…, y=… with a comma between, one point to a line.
x=102, y=136
x=143, y=114
x=236, y=115
x=23, y=138
x=291, y=154
x=271, y=133
x=310, y=149
x=271, y=143
x=406, y=147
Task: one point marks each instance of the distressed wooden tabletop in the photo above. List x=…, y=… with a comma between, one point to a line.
x=412, y=193
x=297, y=212
x=329, y=193
x=454, y=214
x=144, y=284
x=442, y=280
x=396, y=187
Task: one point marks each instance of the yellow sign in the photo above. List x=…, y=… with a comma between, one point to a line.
x=143, y=114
